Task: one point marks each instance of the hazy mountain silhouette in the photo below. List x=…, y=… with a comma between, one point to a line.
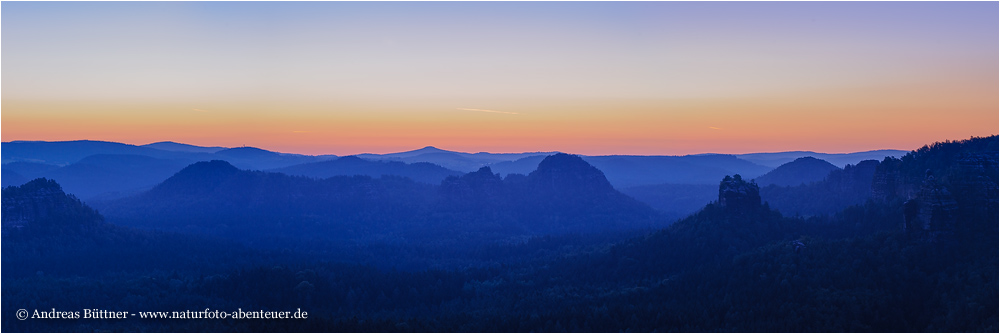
x=568, y=195
x=100, y=175
x=352, y=165
x=776, y=159
x=838, y=190
x=565, y=195
x=217, y=198
x=259, y=159
x=621, y=171
x=11, y=178
x=817, y=192
x=17, y=173
x=197, y=178
x=626, y=171
x=480, y=189
x=248, y=153
x=569, y=173
x=743, y=259
x=458, y=161
x=67, y=152
x=961, y=167
x=29, y=168
x=48, y=232
x=418, y=152
x=674, y=200
x=800, y=171
x=522, y=253
x=179, y=147
x=113, y=175
x=734, y=222
x=845, y=188
x=630, y=170
x=520, y=166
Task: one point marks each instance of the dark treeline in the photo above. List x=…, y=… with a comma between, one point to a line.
x=917, y=254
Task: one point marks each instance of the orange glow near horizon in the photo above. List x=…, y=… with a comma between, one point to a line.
x=832, y=123
x=595, y=78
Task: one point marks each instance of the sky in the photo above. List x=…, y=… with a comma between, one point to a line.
x=650, y=78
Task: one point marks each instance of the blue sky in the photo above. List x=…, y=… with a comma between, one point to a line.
x=594, y=74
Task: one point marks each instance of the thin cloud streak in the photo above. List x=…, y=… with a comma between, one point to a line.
x=492, y=111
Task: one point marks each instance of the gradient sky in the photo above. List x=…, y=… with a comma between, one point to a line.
x=579, y=77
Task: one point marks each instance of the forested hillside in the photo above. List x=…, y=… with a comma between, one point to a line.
x=917, y=255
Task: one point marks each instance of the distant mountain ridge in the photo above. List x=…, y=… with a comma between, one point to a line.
x=836, y=191
x=676, y=201
x=565, y=195
x=918, y=256
x=107, y=170
x=800, y=171
x=68, y=152
x=98, y=175
x=65, y=152
x=625, y=171
x=351, y=165
x=776, y=159
x=172, y=146
x=459, y=161
x=622, y=171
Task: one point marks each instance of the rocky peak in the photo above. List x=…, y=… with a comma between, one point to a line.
x=888, y=181
x=42, y=203
x=980, y=178
x=482, y=179
x=484, y=173
x=479, y=184
x=933, y=210
x=735, y=193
